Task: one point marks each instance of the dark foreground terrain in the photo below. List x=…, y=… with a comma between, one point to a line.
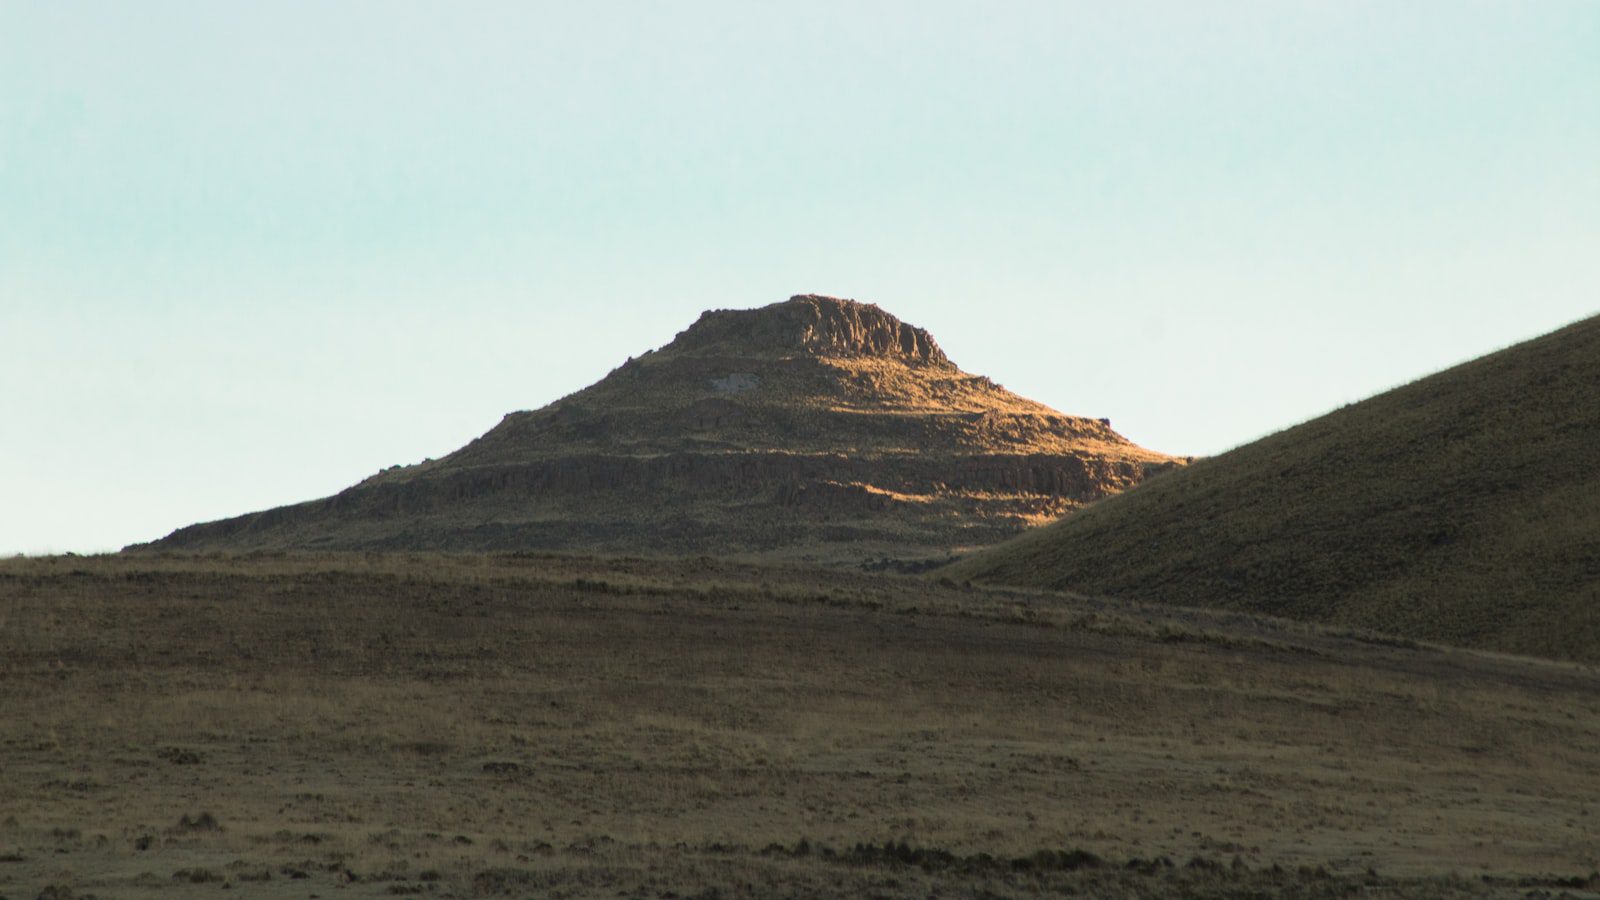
x=460, y=726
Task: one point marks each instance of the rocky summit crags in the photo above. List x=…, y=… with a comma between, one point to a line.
x=820, y=326
x=815, y=428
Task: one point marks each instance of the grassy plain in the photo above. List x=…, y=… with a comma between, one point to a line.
x=467, y=726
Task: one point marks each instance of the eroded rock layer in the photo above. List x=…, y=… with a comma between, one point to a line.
x=817, y=427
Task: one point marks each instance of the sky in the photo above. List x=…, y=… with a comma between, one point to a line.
x=253, y=253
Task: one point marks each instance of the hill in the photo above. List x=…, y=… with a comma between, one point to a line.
x=817, y=427
x=1464, y=507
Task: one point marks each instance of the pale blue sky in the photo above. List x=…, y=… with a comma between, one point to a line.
x=251, y=253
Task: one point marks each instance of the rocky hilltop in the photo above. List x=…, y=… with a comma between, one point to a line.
x=818, y=427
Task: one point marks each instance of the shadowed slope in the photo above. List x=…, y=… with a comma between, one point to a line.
x=1464, y=507
x=817, y=427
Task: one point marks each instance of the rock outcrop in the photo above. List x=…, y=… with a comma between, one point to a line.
x=818, y=427
x=813, y=324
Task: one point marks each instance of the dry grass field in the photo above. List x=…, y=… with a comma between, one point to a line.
x=1462, y=508
x=469, y=726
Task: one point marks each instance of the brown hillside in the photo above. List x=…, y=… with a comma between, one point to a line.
x=373, y=725
x=815, y=427
x=1464, y=507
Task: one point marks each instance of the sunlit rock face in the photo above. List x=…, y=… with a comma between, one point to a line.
x=816, y=428
x=814, y=324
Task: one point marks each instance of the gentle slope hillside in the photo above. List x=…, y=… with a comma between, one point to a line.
x=1464, y=508
x=817, y=427
x=370, y=725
